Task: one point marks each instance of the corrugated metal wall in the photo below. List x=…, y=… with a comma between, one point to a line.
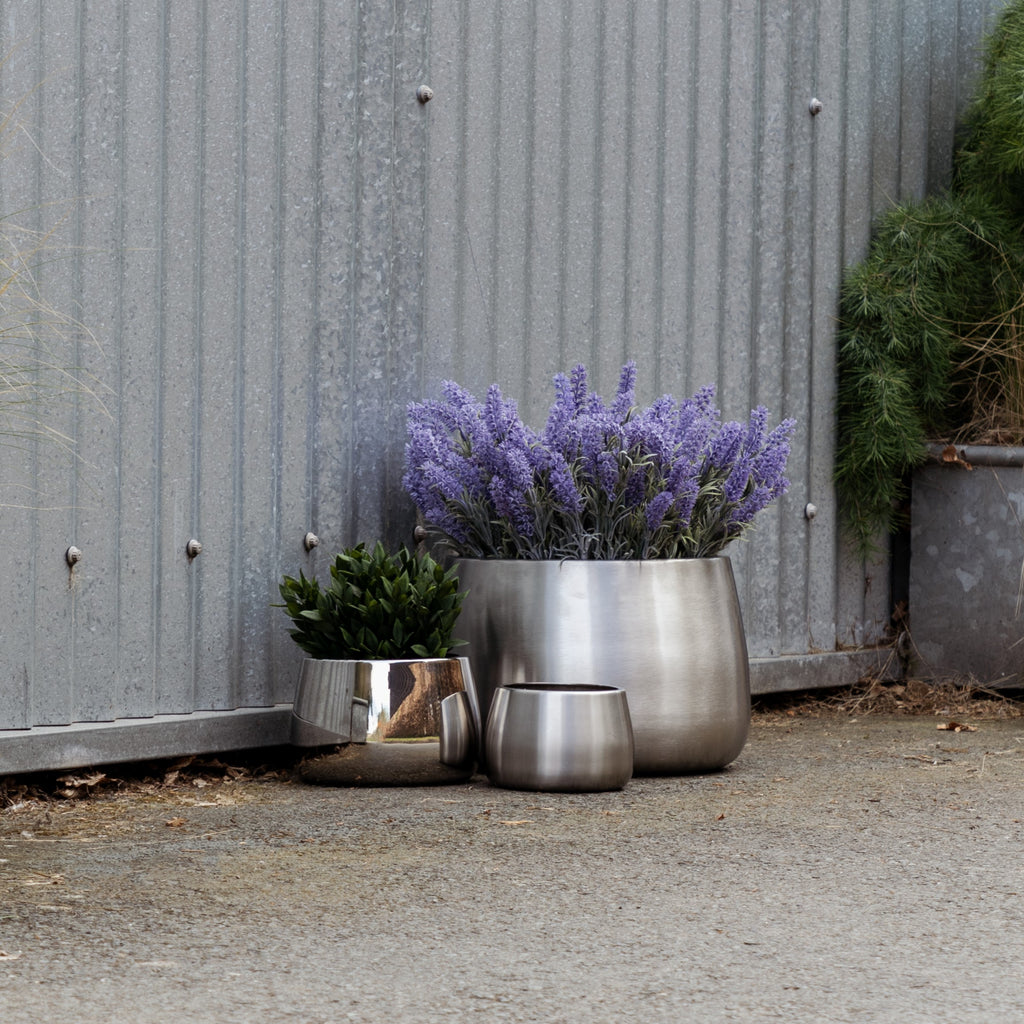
x=276, y=247
x=646, y=180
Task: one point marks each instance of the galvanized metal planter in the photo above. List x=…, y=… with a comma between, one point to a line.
x=360, y=701
x=668, y=632
x=966, y=564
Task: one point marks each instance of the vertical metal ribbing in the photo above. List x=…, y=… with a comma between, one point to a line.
x=196, y=489
x=160, y=286
x=159, y=384
x=688, y=292
x=238, y=488
x=595, y=182
x=461, y=246
x=658, y=332
x=317, y=121
x=528, y=379
x=277, y=285
x=564, y=99
x=627, y=343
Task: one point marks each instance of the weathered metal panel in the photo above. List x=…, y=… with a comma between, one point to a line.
x=661, y=162
x=276, y=247
x=966, y=583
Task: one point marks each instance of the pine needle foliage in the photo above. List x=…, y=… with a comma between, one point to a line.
x=991, y=158
x=928, y=335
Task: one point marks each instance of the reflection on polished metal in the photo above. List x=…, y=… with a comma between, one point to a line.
x=322, y=712
x=458, y=734
x=360, y=701
x=551, y=736
x=668, y=632
x=405, y=697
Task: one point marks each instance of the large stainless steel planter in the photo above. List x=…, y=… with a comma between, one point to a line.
x=667, y=632
x=357, y=701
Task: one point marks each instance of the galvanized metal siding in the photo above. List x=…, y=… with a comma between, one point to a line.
x=645, y=180
x=275, y=248
x=237, y=196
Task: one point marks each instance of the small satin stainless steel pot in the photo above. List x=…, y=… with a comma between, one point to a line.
x=559, y=737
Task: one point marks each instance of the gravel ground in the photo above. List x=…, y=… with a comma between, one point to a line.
x=842, y=869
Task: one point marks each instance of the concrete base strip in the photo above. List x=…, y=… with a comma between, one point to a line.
x=53, y=748
x=820, y=671
x=59, y=747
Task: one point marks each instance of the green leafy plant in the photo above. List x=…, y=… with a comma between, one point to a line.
x=929, y=338
x=377, y=606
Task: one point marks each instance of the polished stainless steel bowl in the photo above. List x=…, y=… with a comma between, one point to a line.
x=360, y=701
x=559, y=737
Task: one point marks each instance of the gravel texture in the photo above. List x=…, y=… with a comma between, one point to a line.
x=840, y=870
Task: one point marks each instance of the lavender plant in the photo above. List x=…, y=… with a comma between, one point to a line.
x=600, y=481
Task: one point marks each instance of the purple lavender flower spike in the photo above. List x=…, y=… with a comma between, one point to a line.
x=636, y=487
x=657, y=508
x=625, y=394
x=606, y=473
x=726, y=446
x=578, y=381
x=600, y=481
x=756, y=429
x=736, y=483
x=686, y=499
x=562, y=411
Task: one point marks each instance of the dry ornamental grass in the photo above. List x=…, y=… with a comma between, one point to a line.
x=962, y=698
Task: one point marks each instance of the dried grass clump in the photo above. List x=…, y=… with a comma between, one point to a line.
x=871, y=696
x=992, y=368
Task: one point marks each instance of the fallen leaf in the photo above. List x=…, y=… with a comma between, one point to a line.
x=524, y=821
x=952, y=456
x=90, y=781
x=956, y=727
x=175, y=822
x=9, y=956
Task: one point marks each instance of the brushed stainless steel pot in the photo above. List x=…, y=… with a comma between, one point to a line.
x=559, y=737
x=668, y=632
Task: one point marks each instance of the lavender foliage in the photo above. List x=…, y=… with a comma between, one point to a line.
x=600, y=481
